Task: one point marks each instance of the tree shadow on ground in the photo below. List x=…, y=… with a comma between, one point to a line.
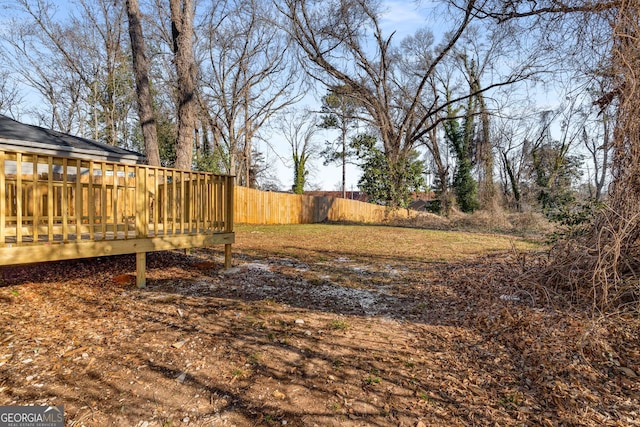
x=335, y=342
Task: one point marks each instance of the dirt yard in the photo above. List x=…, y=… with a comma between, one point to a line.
x=320, y=325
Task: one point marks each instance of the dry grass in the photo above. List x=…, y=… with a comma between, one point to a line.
x=363, y=242
x=526, y=224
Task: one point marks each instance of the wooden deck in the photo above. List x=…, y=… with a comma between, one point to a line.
x=58, y=208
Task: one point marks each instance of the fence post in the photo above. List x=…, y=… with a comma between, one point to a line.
x=50, y=199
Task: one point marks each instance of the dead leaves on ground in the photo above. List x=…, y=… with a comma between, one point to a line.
x=281, y=340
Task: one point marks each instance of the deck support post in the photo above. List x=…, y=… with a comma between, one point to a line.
x=227, y=256
x=141, y=266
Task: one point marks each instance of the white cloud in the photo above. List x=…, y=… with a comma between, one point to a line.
x=405, y=17
x=403, y=13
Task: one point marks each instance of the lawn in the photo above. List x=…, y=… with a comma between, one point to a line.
x=327, y=325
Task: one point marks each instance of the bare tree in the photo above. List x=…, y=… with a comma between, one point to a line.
x=597, y=134
x=440, y=163
x=599, y=148
x=513, y=139
x=143, y=90
x=106, y=72
x=10, y=97
x=477, y=56
x=299, y=130
x=248, y=76
x=32, y=56
x=78, y=63
x=344, y=45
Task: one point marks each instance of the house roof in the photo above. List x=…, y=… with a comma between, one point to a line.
x=34, y=139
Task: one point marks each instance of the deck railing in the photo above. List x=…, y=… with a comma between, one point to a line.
x=49, y=200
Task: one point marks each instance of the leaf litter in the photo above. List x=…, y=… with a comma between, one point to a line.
x=305, y=335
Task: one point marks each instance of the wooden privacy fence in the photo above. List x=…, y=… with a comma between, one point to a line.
x=63, y=208
x=267, y=207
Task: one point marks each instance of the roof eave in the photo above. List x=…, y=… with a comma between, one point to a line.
x=72, y=151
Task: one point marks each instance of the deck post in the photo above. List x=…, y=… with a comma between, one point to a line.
x=19, y=194
x=141, y=266
x=227, y=256
x=36, y=200
x=141, y=216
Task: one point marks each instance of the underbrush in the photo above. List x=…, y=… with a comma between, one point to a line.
x=576, y=268
x=526, y=224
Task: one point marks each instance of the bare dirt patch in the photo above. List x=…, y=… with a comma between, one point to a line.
x=314, y=325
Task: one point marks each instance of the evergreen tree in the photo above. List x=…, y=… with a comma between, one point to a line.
x=384, y=183
x=338, y=112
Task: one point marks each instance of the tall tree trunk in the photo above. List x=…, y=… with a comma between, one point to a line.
x=625, y=189
x=513, y=181
x=344, y=158
x=442, y=172
x=605, y=157
x=486, y=187
x=182, y=12
x=248, y=166
x=143, y=91
x=247, y=141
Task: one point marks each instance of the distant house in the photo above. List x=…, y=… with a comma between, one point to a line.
x=419, y=201
x=352, y=195
x=422, y=201
x=20, y=137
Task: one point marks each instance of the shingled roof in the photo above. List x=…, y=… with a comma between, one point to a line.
x=34, y=139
